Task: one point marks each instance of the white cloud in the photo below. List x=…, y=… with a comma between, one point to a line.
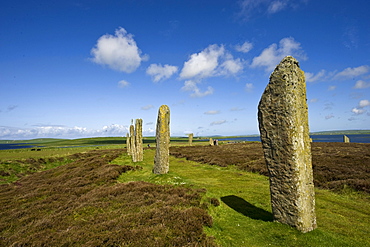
x=332, y=88
x=230, y=67
x=212, y=112
x=191, y=85
x=123, y=83
x=358, y=111
x=311, y=77
x=202, y=64
x=361, y=84
x=245, y=47
x=114, y=129
x=272, y=55
x=218, y=122
x=249, y=87
x=212, y=61
x=352, y=72
x=363, y=103
x=147, y=107
x=277, y=6
x=159, y=72
x=360, y=108
x=118, y=51
x=314, y=100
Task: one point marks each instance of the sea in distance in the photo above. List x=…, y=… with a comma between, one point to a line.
x=315, y=138
x=360, y=138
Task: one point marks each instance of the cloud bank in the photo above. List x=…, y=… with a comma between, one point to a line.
x=347, y=73
x=55, y=131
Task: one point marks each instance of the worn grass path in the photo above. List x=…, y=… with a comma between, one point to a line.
x=244, y=216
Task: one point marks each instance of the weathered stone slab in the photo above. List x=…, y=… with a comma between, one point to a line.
x=128, y=146
x=161, y=160
x=283, y=124
x=139, y=140
x=211, y=142
x=132, y=141
x=345, y=138
x=190, y=139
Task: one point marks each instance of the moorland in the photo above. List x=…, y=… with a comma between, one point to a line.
x=89, y=195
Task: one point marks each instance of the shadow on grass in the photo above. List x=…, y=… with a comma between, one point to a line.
x=242, y=206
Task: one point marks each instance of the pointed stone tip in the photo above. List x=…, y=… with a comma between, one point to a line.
x=289, y=59
x=287, y=62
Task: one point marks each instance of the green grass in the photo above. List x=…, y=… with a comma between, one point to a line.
x=244, y=216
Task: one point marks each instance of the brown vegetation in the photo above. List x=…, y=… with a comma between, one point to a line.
x=81, y=204
x=335, y=165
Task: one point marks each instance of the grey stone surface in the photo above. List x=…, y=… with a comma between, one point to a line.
x=128, y=146
x=190, y=139
x=345, y=138
x=161, y=160
x=283, y=124
x=138, y=140
x=132, y=141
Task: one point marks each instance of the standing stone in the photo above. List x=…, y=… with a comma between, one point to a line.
x=345, y=138
x=161, y=160
x=132, y=141
x=211, y=142
x=190, y=139
x=128, y=144
x=139, y=140
x=283, y=124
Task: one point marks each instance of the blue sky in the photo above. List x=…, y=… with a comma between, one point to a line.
x=84, y=68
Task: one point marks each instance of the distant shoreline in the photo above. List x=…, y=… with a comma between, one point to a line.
x=39, y=141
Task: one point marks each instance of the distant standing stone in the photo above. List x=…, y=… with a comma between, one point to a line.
x=161, y=160
x=283, y=124
x=345, y=138
x=190, y=139
x=211, y=142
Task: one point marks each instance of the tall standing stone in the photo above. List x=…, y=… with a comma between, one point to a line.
x=132, y=141
x=128, y=146
x=190, y=139
x=161, y=160
x=283, y=124
x=139, y=140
